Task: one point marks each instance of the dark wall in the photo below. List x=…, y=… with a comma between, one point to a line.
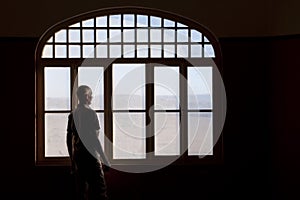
x=261, y=133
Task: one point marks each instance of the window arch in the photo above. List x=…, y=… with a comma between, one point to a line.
x=169, y=65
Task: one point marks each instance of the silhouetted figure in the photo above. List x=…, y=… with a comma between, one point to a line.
x=85, y=149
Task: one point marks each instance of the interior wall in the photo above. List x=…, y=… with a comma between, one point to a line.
x=256, y=137
x=231, y=18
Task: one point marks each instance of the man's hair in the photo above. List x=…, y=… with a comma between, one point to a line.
x=81, y=91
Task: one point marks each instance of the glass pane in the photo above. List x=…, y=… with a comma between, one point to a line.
x=167, y=134
x=93, y=77
x=169, y=35
x=101, y=21
x=88, y=23
x=129, y=136
x=60, y=51
x=74, y=51
x=142, y=35
x=61, y=36
x=182, y=51
x=128, y=51
x=115, y=51
x=142, y=21
x=156, y=51
x=101, y=134
x=166, y=88
x=50, y=40
x=75, y=25
x=57, y=88
x=47, y=51
x=195, y=36
x=155, y=21
x=115, y=35
x=169, y=23
x=200, y=88
x=88, y=36
x=128, y=35
x=200, y=134
x=55, y=134
x=180, y=25
x=128, y=86
x=155, y=35
x=205, y=39
x=128, y=20
x=142, y=51
x=101, y=36
x=88, y=51
x=115, y=20
x=209, y=51
x=182, y=35
x=101, y=51
x=196, y=51
x=169, y=51
x=74, y=35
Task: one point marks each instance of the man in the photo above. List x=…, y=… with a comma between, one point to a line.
x=85, y=149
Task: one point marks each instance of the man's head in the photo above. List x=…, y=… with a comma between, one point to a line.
x=84, y=94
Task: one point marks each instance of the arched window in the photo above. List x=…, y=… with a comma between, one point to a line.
x=154, y=76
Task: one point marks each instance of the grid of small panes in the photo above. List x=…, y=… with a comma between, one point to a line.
x=128, y=36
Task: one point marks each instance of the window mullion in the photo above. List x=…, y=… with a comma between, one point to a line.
x=149, y=111
x=183, y=110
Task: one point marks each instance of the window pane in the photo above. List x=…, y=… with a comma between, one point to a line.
x=182, y=35
x=155, y=35
x=115, y=51
x=180, y=25
x=74, y=35
x=169, y=35
x=166, y=88
x=182, y=51
x=128, y=35
x=47, y=51
x=167, y=134
x=209, y=51
x=74, y=51
x=142, y=21
x=156, y=51
x=57, y=88
x=75, y=25
x=129, y=136
x=115, y=20
x=169, y=23
x=101, y=134
x=200, y=135
x=88, y=36
x=155, y=21
x=61, y=36
x=50, y=40
x=60, y=51
x=200, y=88
x=101, y=36
x=128, y=51
x=128, y=20
x=169, y=51
x=142, y=51
x=88, y=51
x=196, y=51
x=195, y=36
x=88, y=23
x=101, y=51
x=101, y=21
x=128, y=86
x=142, y=35
x=115, y=35
x=55, y=134
x=93, y=77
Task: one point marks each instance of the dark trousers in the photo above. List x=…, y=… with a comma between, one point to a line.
x=90, y=181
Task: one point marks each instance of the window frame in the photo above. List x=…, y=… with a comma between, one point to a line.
x=74, y=63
